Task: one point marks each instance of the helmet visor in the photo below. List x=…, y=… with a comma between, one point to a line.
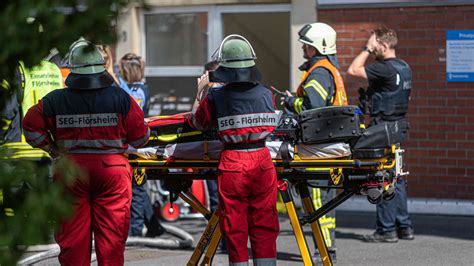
x=302, y=33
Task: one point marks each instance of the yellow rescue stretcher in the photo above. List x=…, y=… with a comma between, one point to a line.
x=373, y=174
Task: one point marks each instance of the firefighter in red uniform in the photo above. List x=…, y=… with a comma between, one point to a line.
x=91, y=123
x=243, y=112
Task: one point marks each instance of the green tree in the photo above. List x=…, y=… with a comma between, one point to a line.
x=29, y=29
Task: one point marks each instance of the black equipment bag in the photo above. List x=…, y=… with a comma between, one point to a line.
x=329, y=124
x=383, y=135
x=287, y=129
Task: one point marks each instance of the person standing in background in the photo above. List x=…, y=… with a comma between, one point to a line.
x=109, y=61
x=390, y=83
x=132, y=72
x=203, y=87
x=34, y=84
x=204, y=84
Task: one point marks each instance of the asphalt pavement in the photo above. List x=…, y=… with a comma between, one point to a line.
x=439, y=240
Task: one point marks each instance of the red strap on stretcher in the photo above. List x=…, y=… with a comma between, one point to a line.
x=157, y=121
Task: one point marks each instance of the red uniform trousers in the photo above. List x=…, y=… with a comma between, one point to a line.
x=102, y=206
x=248, y=191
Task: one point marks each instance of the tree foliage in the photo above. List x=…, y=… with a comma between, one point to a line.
x=29, y=29
x=31, y=205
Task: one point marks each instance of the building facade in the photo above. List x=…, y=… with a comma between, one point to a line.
x=176, y=37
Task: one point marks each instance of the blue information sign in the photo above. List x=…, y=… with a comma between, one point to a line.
x=460, y=55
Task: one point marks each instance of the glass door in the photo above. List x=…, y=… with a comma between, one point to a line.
x=268, y=32
x=178, y=41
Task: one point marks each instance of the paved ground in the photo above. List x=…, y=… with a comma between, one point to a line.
x=439, y=240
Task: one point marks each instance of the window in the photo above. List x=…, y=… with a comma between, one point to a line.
x=269, y=34
x=171, y=95
x=178, y=41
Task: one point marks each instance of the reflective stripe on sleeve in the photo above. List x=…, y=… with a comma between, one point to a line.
x=31, y=135
x=245, y=137
x=140, y=142
x=317, y=87
x=195, y=122
x=35, y=142
x=97, y=151
x=298, y=105
x=97, y=143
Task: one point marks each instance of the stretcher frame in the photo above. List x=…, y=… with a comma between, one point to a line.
x=350, y=175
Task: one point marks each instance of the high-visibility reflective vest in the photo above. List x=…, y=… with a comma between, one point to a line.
x=39, y=81
x=339, y=97
x=36, y=83
x=65, y=72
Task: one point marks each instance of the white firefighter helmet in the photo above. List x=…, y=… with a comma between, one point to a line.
x=319, y=35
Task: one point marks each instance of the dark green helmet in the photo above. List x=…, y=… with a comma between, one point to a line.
x=87, y=67
x=236, y=52
x=85, y=58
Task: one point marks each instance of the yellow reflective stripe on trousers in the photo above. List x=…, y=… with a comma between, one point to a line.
x=4, y=85
x=7, y=123
x=317, y=87
x=327, y=236
x=325, y=222
x=9, y=212
x=317, y=198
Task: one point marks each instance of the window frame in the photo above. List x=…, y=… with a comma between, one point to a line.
x=214, y=32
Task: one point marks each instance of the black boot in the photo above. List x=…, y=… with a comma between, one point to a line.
x=154, y=227
x=382, y=237
x=405, y=233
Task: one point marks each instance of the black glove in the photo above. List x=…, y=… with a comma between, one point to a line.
x=288, y=104
x=363, y=101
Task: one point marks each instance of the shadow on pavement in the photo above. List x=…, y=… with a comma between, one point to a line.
x=346, y=235
x=433, y=225
x=284, y=256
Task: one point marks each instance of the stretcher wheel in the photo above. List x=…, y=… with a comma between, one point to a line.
x=170, y=214
x=376, y=200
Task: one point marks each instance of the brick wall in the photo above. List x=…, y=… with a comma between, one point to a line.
x=440, y=146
